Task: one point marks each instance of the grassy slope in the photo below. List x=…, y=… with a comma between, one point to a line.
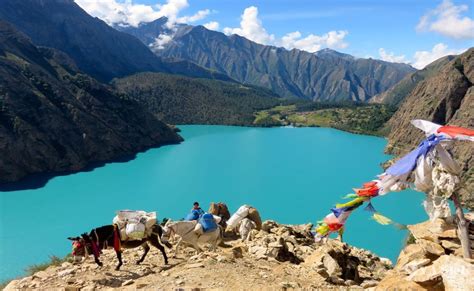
x=364, y=119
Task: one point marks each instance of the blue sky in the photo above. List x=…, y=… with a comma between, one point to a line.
x=412, y=31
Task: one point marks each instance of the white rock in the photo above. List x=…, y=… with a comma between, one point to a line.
x=66, y=272
x=415, y=265
x=128, y=282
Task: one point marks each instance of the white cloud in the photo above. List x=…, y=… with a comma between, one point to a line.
x=391, y=57
x=161, y=41
x=128, y=13
x=420, y=59
x=312, y=42
x=252, y=28
x=423, y=58
x=213, y=25
x=447, y=20
x=201, y=14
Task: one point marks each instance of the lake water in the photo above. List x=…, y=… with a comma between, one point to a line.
x=292, y=175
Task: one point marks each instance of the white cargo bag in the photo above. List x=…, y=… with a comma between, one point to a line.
x=135, y=225
x=135, y=230
x=237, y=217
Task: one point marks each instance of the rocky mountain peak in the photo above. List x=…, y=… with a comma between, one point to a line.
x=445, y=97
x=324, y=75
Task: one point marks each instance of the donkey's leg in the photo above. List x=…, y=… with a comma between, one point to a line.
x=146, y=248
x=97, y=261
x=193, y=240
x=156, y=243
x=119, y=257
x=217, y=240
x=177, y=247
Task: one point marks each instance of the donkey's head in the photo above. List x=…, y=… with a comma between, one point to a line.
x=81, y=246
x=168, y=230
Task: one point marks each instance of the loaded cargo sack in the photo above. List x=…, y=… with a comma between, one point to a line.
x=237, y=217
x=245, y=211
x=193, y=215
x=208, y=223
x=134, y=225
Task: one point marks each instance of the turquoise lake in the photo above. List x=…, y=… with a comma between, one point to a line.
x=292, y=175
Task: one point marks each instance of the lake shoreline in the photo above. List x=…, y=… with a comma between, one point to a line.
x=39, y=180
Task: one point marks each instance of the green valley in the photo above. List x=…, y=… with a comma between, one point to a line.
x=355, y=117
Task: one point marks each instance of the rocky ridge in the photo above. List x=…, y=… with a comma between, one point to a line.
x=397, y=93
x=278, y=256
x=53, y=118
x=446, y=98
x=326, y=75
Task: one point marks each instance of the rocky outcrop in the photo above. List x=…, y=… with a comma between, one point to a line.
x=446, y=98
x=276, y=257
x=55, y=119
x=433, y=261
x=325, y=75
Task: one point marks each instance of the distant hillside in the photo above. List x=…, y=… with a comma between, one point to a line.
x=325, y=75
x=98, y=49
x=445, y=97
x=53, y=119
x=360, y=118
x=182, y=100
x=397, y=93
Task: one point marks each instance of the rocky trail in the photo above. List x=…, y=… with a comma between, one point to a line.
x=276, y=257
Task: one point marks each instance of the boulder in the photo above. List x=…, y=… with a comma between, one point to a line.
x=331, y=266
x=369, y=284
x=238, y=252
x=431, y=247
x=450, y=233
x=397, y=281
x=426, y=275
x=450, y=245
x=258, y=251
x=457, y=273
x=410, y=253
x=415, y=265
x=429, y=230
x=454, y=272
x=268, y=225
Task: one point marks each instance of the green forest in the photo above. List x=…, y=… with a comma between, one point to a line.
x=183, y=100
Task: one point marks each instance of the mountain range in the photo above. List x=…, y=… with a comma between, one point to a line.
x=325, y=75
x=98, y=50
x=55, y=119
